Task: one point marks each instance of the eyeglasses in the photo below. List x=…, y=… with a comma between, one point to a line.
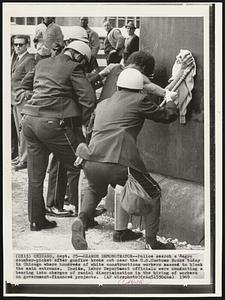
x=20, y=45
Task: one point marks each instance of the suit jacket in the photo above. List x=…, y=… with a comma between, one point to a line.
x=19, y=70
x=118, y=122
x=61, y=89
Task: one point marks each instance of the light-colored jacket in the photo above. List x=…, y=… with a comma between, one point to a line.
x=116, y=39
x=52, y=35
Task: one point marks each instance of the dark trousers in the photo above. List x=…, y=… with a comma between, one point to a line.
x=14, y=138
x=57, y=185
x=22, y=146
x=100, y=175
x=43, y=136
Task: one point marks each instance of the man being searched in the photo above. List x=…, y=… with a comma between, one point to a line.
x=114, y=44
x=62, y=103
x=113, y=149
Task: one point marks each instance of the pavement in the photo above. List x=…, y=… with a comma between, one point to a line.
x=59, y=238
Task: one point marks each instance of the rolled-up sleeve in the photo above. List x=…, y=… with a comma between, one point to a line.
x=152, y=111
x=84, y=92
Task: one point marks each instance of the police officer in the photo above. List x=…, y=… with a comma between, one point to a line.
x=113, y=148
x=62, y=103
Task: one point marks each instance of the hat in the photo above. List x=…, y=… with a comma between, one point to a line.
x=131, y=24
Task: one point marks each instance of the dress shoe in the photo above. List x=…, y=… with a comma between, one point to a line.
x=46, y=224
x=78, y=235
x=71, y=208
x=66, y=200
x=15, y=161
x=56, y=212
x=21, y=166
x=126, y=235
x=156, y=245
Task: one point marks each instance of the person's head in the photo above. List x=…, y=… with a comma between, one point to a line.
x=56, y=49
x=142, y=61
x=77, y=34
x=79, y=52
x=20, y=43
x=48, y=20
x=130, y=28
x=107, y=25
x=84, y=22
x=130, y=79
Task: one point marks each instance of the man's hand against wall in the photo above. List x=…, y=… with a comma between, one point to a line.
x=187, y=61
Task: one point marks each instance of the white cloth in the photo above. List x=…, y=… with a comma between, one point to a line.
x=186, y=86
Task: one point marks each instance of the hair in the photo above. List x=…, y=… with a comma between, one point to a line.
x=21, y=36
x=107, y=21
x=144, y=60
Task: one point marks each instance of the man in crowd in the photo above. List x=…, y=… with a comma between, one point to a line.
x=131, y=42
x=23, y=63
x=94, y=42
x=114, y=44
x=47, y=36
x=113, y=149
x=62, y=103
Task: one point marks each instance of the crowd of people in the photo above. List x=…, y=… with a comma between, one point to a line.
x=55, y=111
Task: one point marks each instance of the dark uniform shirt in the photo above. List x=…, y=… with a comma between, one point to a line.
x=61, y=90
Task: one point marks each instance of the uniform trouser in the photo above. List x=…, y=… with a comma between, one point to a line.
x=22, y=146
x=100, y=175
x=57, y=184
x=43, y=136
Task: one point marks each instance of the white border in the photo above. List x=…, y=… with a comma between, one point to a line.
x=142, y=10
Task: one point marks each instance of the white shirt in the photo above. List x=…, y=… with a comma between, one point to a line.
x=21, y=55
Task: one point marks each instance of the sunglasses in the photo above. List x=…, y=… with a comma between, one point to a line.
x=20, y=45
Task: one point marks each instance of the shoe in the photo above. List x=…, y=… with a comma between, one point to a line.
x=92, y=223
x=99, y=211
x=46, y=224
x=71, y=208
x=21, y=166
x=78, y=235
x=66, y=201
x=15, y=161
x=160, y=246
x=126, y=235
x=55, y=212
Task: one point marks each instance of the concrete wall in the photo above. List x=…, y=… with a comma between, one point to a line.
x=175, y=150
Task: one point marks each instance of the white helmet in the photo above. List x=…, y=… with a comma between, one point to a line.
x=80, y=47
x=76, y=33
x=131, y=79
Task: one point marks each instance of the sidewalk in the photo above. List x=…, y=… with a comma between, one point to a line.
x=59, y=238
